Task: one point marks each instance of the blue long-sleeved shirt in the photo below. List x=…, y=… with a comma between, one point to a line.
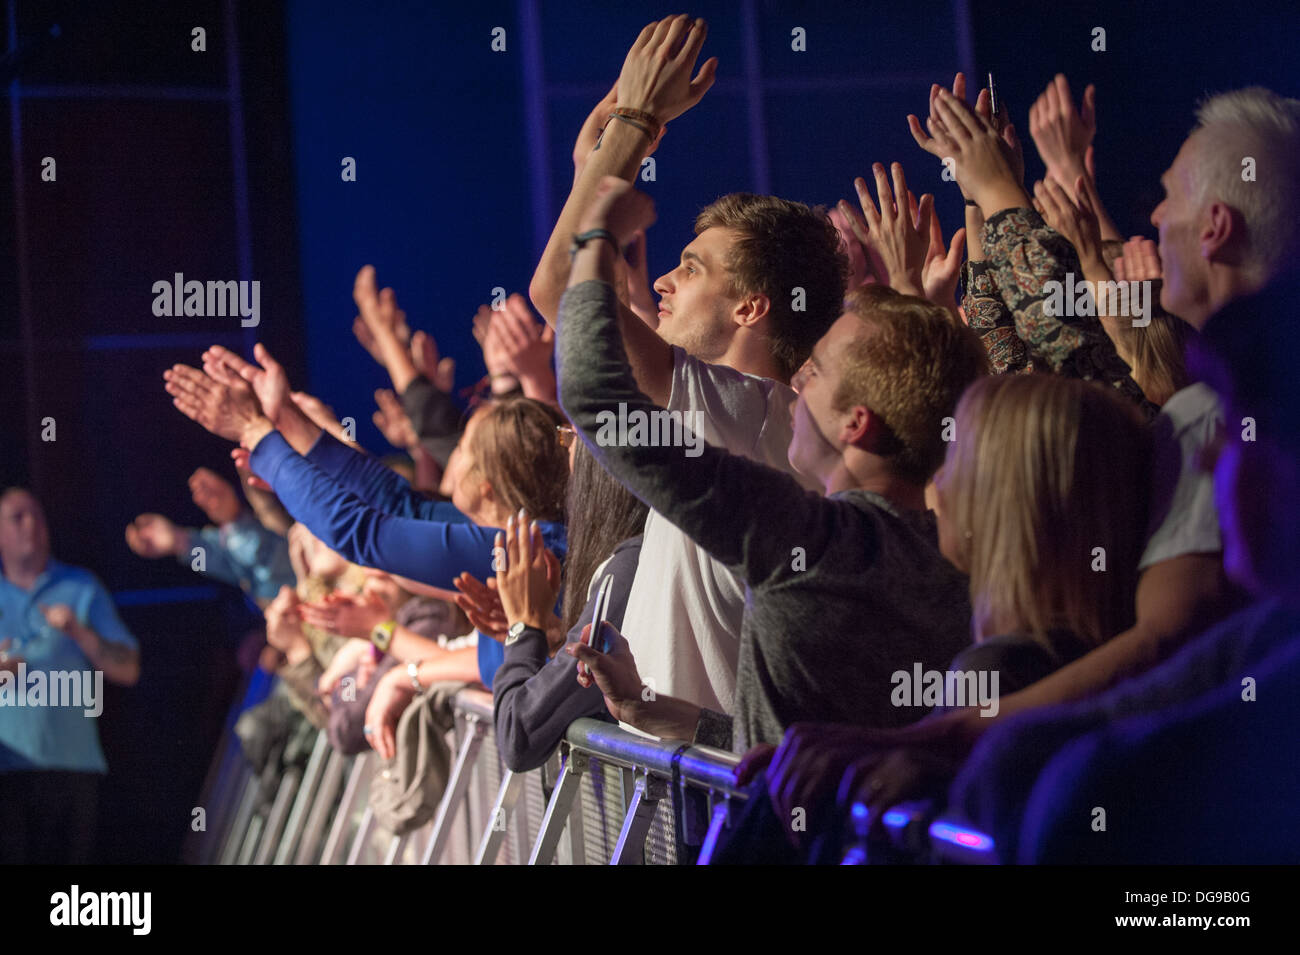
x=373, y=517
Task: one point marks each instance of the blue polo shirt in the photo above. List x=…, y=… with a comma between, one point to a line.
x=53, y=737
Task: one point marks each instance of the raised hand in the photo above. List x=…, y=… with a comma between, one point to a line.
x=482, y=606
x=392, y=420
x=901, y=240
x=529, y=582
x=243, y=464
x=347, y=615
x=984, y=159
x=1076, y=221
x=154, y=536
x=1063, y=134
x=228, y=412
x=983, y=108
x=527, y=345
x=379, y=311
x=366, y=337
x=496, y=356
x=656, y=76
x=424, y=355
x=267, y=378
x=283, y=626
x=1139, y=262
x=619, y=208
x=321, y=415
x=215, y=495
x=864, y=264
x=942, y=268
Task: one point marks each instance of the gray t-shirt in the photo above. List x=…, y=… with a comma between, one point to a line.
x=841, y=591
x=1183, y=516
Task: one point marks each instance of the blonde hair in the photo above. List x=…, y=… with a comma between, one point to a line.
x=1043, y=472
x=910, y=373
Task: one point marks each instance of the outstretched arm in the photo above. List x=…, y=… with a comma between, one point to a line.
x=745, y=514
x=655, y=80
x=433, y=552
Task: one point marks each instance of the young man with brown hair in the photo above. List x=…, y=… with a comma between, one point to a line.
x=761, y=282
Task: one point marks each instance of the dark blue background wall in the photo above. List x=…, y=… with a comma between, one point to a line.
x=464, y=153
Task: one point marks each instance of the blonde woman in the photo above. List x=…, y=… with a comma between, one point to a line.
x=1042, y=500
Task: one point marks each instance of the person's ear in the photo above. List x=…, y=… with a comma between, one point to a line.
x=485, y=491
x=751, y=310
x=859, y=428
x=1221, y=230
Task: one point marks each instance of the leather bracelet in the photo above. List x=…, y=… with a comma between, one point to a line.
x=632, y=122
x=641, y=117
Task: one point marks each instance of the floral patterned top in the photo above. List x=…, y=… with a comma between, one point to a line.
x=1004, y=302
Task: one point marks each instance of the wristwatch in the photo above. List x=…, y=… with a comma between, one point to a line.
x=413, y=671
x=382, y=635
x=516, y=631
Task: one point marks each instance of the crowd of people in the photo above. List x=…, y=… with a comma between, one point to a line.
x=1054, y=467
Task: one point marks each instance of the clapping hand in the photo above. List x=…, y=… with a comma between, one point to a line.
x=983, y=157
x=900, y=238
x=215, y=495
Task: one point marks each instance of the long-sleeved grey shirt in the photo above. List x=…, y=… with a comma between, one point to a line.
x=533, y=700
x=842, y=591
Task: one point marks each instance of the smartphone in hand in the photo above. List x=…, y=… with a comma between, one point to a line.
x=600, y=614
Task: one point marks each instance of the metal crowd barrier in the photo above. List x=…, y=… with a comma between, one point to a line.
x=606, y=796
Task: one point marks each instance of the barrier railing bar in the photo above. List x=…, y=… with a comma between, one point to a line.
x=325, y=794
x=251, y=839
x=498, y=821
x=559, y=809
x=645, y=795
x=306, y=794
x=235, y=837
x=455, y=791
x=275, y=819
x=717, y=822
x=395, y=847
x=364, y=832
x=343, y=815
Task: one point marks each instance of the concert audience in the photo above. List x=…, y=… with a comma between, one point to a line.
x=748, y=463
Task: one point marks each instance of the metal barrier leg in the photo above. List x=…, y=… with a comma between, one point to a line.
x=395, y=849
x=326, y=793
x=256, y=826
x=646, y=794
x=716, y=825
x=239, y=829
x=499, y=818
x=558, y=810
x=306, y=793
x=338, y=831
x=219, y=833
x=275, y=819
x=364, y=832
x=456, y=785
